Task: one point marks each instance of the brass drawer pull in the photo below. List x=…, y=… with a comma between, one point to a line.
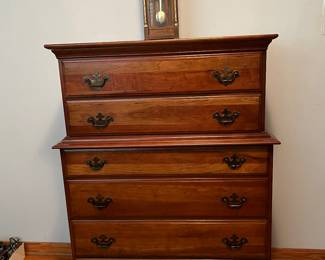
x=100, y=202
x=234, y=202
x=234, y=242
x=234, y=162
x=227, y=76
x=226, y=117
x=100, y=121
x=102, y=241
x=96, y=164
x=96, y=81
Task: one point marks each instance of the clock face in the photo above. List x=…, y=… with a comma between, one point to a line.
x=161, y=19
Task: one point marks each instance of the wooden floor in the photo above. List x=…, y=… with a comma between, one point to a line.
x=47, y=258
x=283, y=255
x=62, y=251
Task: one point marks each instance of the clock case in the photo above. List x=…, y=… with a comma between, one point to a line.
x=155, y=31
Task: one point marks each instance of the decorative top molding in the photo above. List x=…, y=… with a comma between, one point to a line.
x=162, y=47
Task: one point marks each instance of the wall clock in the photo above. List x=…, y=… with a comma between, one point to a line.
x=160, y=19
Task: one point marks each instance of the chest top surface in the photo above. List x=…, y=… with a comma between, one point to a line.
x=163, y=47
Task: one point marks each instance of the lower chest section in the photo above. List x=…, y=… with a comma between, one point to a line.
x=190, y=202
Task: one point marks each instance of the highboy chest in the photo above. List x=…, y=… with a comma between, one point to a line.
x=166, y=155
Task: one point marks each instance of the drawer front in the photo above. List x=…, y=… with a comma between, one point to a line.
x=209, y=114
x=168, y=198
x=224, y=161
x=150, y=75
x=191, y=239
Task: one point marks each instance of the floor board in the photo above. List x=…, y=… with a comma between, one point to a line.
x=62, y=251
x=47, y=257
x=276, y=256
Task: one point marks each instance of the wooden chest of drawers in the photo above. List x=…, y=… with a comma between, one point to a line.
x=166, y=155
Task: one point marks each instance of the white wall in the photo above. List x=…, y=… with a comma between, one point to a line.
x=31, y=189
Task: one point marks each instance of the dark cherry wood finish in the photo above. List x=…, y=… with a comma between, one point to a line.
x=166, y=154
x=166, y=141
x=165, y=115
x=163, y=74
x=171, y=239
x=162, y=47
x=166, y=162
x=168, y=198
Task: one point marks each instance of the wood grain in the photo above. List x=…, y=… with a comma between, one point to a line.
x=165, y=115
x=167, y=239
x=201, y=161
x=163, y=75
x=163, y=47
x=180, y=198
x=46, y=257
x=298, y=254
x=62, y=251
x=102, y=142
x=290, y=256
x=51, y=249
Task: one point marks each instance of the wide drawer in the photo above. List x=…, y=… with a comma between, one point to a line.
x=173, y=74
x=215, y=161
x=177, y=198
x=180, y=239
x=207, y=114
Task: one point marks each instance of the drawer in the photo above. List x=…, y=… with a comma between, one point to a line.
x=177, y=198
x=214, y=161
x=170, y=239
x=173, y=74
x=208, y=114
